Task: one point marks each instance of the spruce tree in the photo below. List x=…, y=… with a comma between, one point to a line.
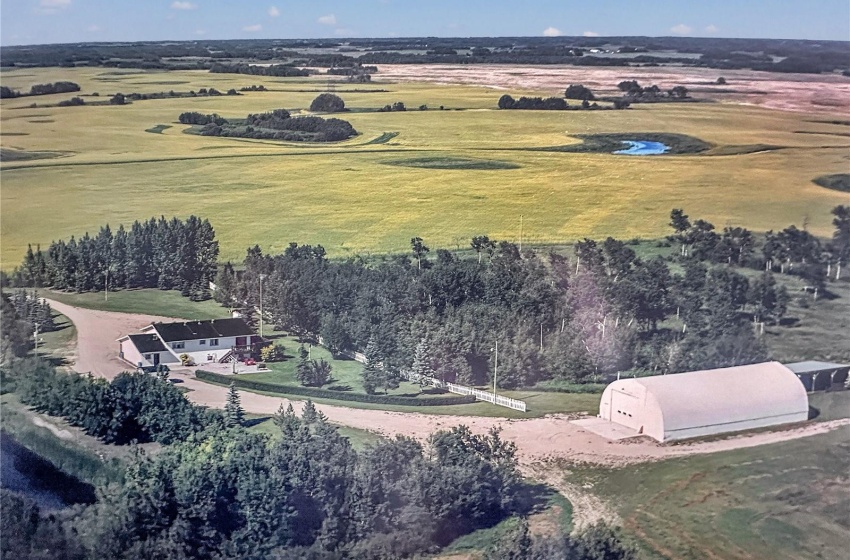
x=374, y=375
x=422, y=371
x=303, y=371
x=233, y=413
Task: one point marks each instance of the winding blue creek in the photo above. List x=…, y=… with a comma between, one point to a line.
x=643, y=148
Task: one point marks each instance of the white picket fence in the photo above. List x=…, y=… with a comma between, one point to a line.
x=477, y=393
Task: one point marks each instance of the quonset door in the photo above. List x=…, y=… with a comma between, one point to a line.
x=625, y=410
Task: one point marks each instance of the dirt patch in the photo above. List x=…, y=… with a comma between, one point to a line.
x=816, y=93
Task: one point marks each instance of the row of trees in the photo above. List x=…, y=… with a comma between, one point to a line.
x=165, y=254
x=40, y=89
x=133, y=407
x=554, y=317
x=277, y=70
x=20, y=315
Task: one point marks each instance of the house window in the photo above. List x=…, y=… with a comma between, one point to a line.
x=202, y=342
x=178, y=345
x=213, y=342
x=148, y=357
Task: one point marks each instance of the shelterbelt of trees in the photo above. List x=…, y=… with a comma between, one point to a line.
x=217, y=491
x=274, y=125
x=577, y=319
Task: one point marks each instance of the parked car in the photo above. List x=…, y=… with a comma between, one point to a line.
x=153, y=369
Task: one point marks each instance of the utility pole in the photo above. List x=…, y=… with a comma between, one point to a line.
x=106, y=285
x=35, y=338
x=262, y=277
x=495, y=370
x=541, y=337
x=520, y=233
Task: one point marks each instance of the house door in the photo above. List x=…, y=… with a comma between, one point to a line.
x=156, y=359
x=241, y=341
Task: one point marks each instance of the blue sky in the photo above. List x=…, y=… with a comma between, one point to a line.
x=61, y=21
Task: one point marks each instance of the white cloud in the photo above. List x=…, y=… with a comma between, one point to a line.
x=93, y=28
x=274, y=12
x=183, y=6
x=590, y=34
x=253, y=28
x=681, y=29
x=329, y=19
x=52, y=6
x=551, y=32
x=711, y=28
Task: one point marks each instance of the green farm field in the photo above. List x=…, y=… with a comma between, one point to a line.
x=117, y=164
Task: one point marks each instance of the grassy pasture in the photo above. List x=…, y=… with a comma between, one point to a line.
x=788, y=500
x=341, y=196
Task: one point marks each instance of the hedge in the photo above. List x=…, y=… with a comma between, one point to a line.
x=316, y=393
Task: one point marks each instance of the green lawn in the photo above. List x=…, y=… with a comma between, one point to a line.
x=788, y=500
x=58, y=344
x=358, y=438
x=167, y=303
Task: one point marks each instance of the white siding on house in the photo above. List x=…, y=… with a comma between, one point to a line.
x=201, y=352
x=130, y=354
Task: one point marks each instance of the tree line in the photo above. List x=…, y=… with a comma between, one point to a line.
x=23, y=314
x=555, y=317
x=40, y=89
x=157, y=253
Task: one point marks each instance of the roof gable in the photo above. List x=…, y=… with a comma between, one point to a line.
x=146, y=343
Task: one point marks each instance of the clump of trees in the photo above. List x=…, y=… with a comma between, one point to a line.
x=254, y=88
x=327, y=103
x=23, y=314
x=165, y=254
x=578, y=91
x=533, y=103
x=639, y=94
x=280, y=125
x=73, y=102
x=40, y=89
x=193, y=117
x=132, y=407
x=395, y=107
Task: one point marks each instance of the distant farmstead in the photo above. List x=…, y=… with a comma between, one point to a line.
x=202, y=342
x=703, y=403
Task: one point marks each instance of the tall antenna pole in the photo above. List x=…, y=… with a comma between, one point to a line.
x=495, y=369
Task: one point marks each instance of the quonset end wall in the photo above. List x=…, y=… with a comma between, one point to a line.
x=701, y=403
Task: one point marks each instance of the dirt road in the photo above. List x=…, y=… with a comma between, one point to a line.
x=537, y=439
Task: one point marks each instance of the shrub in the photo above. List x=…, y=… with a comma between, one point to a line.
x=327, y=103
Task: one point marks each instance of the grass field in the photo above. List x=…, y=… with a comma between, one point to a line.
x=788, y=500
x=166, y=303
x=123, y=164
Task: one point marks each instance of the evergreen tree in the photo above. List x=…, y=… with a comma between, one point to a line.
x=373, y=374
x=422, y=372
x=233, y=413
x=303, y=370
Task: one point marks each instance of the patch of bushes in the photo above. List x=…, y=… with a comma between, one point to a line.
x=452, y=163
x=193, y=117
x=73, y=102
x=314, y=392
x=280, y=125
x=578, y=91
x=838, y=182
x=327, y=103
x=398, y=106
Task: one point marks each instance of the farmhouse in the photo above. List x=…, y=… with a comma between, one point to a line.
x=701, y=403
x=202, y=341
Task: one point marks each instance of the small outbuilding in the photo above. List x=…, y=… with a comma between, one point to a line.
x=821, y=376
x=701, y=403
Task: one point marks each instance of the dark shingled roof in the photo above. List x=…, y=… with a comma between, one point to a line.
x=196, y=330
x=145, y=343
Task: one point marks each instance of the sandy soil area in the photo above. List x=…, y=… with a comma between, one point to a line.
x=816, y=93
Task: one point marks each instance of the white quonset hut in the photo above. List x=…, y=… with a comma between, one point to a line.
x=701, y=403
